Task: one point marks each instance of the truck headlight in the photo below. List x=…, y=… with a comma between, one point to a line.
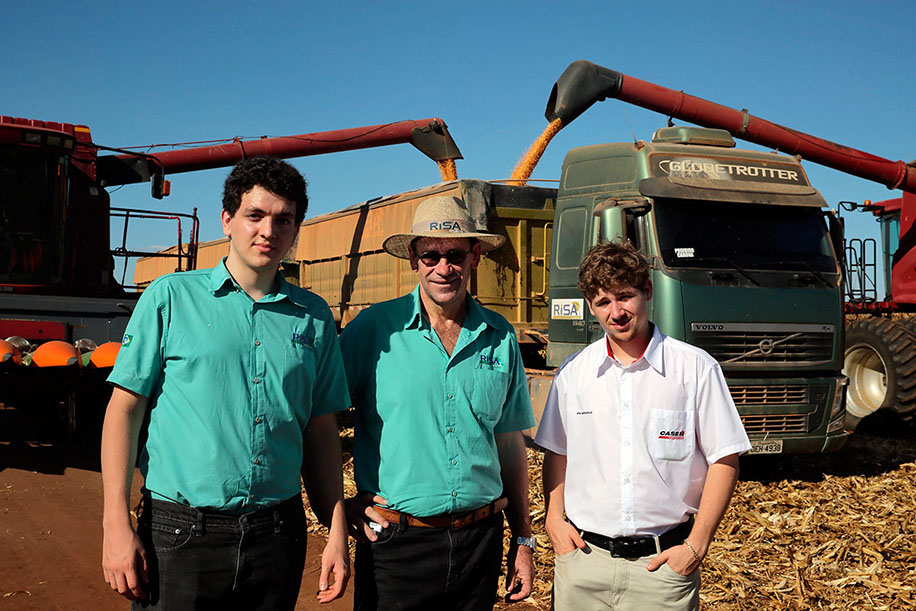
x=837, y=411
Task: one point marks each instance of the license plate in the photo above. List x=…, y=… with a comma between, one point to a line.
x=770, y=446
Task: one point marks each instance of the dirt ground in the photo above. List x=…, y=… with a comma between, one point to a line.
x=50, y=523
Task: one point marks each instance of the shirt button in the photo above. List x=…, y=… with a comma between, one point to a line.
x=257, y=380
x=251, y=496
x=454, y=462
x=454, y=493
x=257, y=420
x=625, y=481
x=257, y=461
x=450, y=429
x=449, y=395
x=257, y=342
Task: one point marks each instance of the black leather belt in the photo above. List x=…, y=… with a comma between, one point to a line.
x=637, y=547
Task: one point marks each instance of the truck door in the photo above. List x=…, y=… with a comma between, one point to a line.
x=575, y=229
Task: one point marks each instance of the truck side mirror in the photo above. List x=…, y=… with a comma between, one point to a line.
x=637, y=209
x=613, y=215
x=610, y=221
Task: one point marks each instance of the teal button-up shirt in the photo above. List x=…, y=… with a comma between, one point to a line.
x=426, y=422
x=231, y=383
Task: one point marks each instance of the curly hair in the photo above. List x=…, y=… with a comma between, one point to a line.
x=271, y=173
x=611, y=265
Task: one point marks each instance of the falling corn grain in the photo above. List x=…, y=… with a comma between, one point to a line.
x=526, y=165
x=448, y=170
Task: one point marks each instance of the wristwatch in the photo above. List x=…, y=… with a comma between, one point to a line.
x=529, y=541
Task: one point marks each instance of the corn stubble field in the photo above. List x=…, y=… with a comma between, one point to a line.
x=833, y=531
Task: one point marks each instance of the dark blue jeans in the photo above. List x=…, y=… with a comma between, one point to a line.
x=209, y=560
x=430, y=568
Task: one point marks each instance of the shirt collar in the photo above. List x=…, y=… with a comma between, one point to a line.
x=653, y=353
x=221, y=282
x=477, y=315
x=415, y=310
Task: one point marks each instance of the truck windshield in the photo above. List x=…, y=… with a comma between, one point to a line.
x=701, y=234
x=32, y=189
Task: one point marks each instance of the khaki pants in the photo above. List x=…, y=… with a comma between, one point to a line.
x=589, y=579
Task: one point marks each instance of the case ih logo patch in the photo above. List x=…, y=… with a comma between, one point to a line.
x=671, y=434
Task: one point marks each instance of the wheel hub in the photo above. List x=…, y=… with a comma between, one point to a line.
x=867, y=374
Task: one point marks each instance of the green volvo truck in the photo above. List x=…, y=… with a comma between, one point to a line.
x=743, y=266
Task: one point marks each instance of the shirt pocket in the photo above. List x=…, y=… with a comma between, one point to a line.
x=671, y=434
x=487, y=392
x=299, y=375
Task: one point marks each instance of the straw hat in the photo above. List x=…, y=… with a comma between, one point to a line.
x=442, y=216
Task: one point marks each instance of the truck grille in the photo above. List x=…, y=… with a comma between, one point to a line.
x=769, y=395
x=737, y=345
x=770, y=424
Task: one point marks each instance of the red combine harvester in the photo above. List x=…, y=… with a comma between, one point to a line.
x=880, y=359
x=62, y=312
x=881, y=341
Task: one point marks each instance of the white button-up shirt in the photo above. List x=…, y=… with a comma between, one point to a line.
x=639, y=439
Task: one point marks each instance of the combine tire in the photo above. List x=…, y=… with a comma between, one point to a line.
x=881, y=365
x=909, y=322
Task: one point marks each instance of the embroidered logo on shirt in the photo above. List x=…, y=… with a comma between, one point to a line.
x=671, y=434
x=125, y=343
x=492, y=361
x=302, y=340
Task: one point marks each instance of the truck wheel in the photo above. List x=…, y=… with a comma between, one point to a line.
x=881, y=365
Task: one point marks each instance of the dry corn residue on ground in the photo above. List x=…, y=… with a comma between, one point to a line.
x=833, y=531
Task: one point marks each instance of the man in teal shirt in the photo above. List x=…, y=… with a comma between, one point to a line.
x=441, y=399
x=241, y=375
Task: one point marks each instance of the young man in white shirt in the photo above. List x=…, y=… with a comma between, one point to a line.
x=641, y=440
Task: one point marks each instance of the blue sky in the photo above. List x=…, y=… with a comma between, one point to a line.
x=166, y=72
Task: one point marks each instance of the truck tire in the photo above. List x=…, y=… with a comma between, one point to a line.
x=880, y=363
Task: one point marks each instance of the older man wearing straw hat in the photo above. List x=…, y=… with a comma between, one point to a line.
x=441, y=399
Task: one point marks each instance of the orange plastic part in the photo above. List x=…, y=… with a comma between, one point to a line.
x=105, y=355
x=9, y=353
x=56, y=354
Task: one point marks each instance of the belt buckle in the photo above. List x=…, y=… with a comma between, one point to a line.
x=618, y=547
x=460, y=521
x=622, y=547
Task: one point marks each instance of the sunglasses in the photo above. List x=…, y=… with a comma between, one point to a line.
x=431, y=258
